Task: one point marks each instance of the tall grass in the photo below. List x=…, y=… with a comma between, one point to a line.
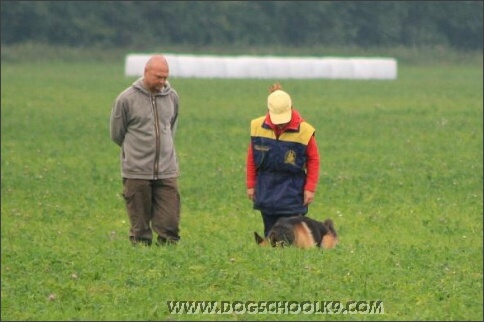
x=401, y=177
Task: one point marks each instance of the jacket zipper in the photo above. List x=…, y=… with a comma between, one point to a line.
x=157, y=137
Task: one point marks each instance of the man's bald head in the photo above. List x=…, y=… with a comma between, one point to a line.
x=156, y=73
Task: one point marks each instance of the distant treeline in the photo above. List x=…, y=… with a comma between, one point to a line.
x=454, y=24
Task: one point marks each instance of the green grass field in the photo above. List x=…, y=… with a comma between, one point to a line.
x=401, y=176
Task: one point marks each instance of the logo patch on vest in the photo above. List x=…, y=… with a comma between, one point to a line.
x=290, y=157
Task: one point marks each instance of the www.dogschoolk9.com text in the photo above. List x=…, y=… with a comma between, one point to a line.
x=275, y=307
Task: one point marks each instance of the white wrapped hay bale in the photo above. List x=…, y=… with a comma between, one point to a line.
x=269, y=67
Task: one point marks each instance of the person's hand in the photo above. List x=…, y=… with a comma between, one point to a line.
x=250, y=193
x=308, y=197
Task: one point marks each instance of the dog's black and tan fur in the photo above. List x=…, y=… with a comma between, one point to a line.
x=300, y=231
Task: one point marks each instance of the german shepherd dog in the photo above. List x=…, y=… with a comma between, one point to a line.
x=300, y=231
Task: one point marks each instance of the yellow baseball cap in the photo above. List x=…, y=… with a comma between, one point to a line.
x=279, y=104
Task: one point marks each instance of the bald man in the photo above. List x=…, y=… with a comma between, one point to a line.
x=143, y=123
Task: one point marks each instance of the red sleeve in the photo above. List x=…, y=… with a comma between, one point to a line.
x=312, y=165
x=251, y=169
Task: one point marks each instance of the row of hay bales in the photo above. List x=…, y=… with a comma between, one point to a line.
x=269, y=67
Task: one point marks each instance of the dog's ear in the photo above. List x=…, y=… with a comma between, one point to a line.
x=258, y=239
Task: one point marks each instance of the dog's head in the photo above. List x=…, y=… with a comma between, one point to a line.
x=267, y=241
x=259, y=240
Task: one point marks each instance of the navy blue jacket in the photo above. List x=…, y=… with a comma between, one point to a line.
x=281, y=168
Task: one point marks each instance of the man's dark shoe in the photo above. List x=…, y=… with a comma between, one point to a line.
x=162, y=241
x=139, y=240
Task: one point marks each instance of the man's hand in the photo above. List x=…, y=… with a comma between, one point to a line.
x=308, y=197
x=250, y=193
